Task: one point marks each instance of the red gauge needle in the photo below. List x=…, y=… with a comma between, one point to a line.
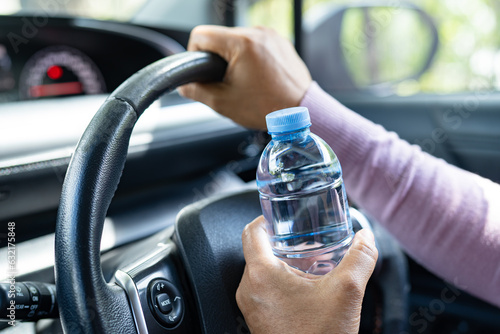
x=64, y=88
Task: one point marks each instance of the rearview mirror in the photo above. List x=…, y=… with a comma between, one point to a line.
x=366, y=47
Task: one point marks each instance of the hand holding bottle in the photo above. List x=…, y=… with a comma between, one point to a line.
x=276, y=298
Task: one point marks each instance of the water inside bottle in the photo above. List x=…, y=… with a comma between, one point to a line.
x=304, y=202
x=310, y=232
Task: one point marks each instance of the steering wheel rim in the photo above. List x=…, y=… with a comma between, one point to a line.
x=87, y=303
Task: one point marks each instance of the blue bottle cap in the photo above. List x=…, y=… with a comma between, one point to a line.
x=288, y=120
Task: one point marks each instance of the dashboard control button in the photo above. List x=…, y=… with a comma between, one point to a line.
x=29, y=301
x=165, y=302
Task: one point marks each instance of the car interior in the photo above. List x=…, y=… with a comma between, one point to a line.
x=135, y=198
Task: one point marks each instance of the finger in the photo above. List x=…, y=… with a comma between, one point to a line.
x=359, y=261
x=256, y=246
x=204, y=93
x=212, y=38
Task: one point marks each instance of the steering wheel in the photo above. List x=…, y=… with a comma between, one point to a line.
x=183, y=279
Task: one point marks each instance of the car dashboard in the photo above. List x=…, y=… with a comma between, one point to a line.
x=44, y=58
x=54, y=75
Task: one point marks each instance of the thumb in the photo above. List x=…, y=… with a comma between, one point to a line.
x=358, y=264
x=256, y=246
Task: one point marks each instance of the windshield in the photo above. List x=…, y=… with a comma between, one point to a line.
x=467, y=58
x=118, y=10
x=176, y=14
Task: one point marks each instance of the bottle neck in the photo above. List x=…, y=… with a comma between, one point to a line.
x=292, y=135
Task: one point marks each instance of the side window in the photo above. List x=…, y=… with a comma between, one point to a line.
x=398, y=47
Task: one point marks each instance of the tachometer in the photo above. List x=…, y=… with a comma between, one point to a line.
x=60, y=71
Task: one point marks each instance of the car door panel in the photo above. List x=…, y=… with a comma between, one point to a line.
x=464, y=130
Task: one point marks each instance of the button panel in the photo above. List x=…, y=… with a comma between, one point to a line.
x=166, y=302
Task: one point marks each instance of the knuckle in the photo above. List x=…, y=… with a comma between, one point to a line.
x=250, y=228
x=264, y=29
x=198, y=30
x=246, y=234
x=268, y=31
x=256, y=275
x=240, y=300
x=258, y=281
x=367, y=249
x=249, y=43
x=352, y=284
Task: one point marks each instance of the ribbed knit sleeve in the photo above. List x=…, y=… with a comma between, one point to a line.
x=446, y=218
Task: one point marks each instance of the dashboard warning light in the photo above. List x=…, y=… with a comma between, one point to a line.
x=55, y=72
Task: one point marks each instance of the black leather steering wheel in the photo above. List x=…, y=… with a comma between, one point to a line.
x=87, y=303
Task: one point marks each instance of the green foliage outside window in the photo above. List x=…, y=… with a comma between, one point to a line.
x=468, y=57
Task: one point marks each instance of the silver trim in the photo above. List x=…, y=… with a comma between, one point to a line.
x=161, y=249
x=123, y=279
x=127, y=283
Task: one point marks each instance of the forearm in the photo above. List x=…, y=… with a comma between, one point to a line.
x=443, y=216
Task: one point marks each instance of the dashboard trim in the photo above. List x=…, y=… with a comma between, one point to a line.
x=127, y=283
x=176, y=119
x=163, y=43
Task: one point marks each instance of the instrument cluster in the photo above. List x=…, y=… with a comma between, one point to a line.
x=69, y=57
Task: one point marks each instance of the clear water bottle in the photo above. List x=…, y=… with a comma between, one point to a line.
x=302, y=195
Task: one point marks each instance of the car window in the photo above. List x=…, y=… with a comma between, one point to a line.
x=390, y=44
x=98, y=9
x=179, y=14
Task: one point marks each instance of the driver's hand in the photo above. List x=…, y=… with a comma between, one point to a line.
x=264, y=73
x=275, y=298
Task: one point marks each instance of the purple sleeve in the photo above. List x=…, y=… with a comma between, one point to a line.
x=446, y=218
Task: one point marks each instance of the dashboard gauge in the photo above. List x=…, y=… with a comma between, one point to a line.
x=60, y=71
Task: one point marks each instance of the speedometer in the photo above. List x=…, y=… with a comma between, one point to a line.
x=60, y=71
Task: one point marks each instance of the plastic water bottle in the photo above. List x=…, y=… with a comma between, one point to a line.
x=302, y=195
